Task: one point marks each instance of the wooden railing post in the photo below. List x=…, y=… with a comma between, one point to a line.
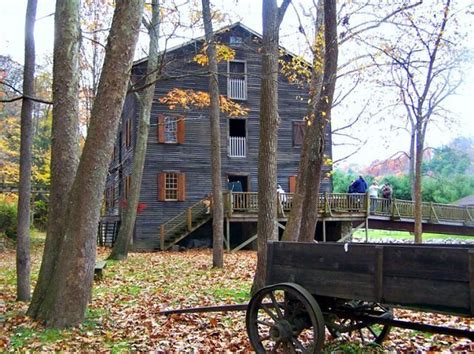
x=229, y=204
x=327, y=207
x=367, y=204
x=162, y=237
x=189, y=219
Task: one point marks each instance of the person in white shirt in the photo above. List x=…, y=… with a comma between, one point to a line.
x=373, y=193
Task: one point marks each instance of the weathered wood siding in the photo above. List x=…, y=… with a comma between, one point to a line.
x=432, y=278
x=193, y=156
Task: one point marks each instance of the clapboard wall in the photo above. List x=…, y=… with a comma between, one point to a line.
x=193, y=156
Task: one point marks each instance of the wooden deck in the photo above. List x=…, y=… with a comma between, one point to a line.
x=343, y=206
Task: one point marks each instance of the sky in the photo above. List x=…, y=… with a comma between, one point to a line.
x=381, y=143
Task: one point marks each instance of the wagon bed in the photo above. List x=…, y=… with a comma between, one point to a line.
x=351, y=289
x=436, y=278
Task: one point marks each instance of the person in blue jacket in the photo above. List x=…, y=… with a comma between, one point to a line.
x=359, y=185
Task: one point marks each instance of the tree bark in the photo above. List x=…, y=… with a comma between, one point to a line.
x=418, y=229
x=267, y=230
x=70, y=288
x=124, y=238
x=322, y=112
x=214, y=116
x=293, y=226
x=65, y=148
x=26, y=143
x=306, y=199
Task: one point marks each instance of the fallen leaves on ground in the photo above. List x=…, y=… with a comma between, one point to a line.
x=124, y=313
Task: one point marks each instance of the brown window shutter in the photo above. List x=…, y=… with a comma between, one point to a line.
x=180, y=130
x=298, y=133
x=161, y=128
x=292, y=184
x=161, y=187
x=181, y=187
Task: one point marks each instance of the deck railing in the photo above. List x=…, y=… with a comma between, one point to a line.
x=237, y=146
x=342, y=203
x=237, y=89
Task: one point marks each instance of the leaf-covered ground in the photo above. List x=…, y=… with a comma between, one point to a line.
x=123, y=315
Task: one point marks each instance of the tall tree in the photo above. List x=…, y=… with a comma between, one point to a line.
x=65, y=139
x=272, y=16
x=124, y=237
x=23, y=238
x=319, y=115
x=424, y=74
x=214, y=117
x=70, y=287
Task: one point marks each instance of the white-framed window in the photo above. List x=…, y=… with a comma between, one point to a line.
x=171, y=130
x=237, y=79
x=171, y=186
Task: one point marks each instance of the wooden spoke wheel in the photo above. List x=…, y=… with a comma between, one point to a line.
x=365, y=332
x=285, y=318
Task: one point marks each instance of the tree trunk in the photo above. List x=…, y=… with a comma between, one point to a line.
x=301, y=228
x=65, y=139
x=70, y=288
x=269, y=121
x=411, y=169
x=24, y=188
x=214, y=115
x=293, y=226
x=322, y=112
x=124, y=238
x=418, y=230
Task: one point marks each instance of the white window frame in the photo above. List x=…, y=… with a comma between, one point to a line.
x=230, y=95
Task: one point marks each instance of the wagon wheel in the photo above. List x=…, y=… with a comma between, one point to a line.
x=367, y=332
x=285, y=318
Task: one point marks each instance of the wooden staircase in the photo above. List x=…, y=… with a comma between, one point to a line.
x=183, y=224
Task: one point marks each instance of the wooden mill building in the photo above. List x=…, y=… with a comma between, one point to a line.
x=177, y=173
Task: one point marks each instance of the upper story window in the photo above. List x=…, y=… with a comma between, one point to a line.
x=235, y=40
x=237, y=80
x=237, y=141
x=171, y=129
x=298, y=132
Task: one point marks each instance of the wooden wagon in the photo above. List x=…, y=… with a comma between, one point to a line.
x=352, y=288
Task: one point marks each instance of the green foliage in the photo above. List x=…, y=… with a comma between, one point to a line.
x=40, y=215
x=8, y=216
x=448, y=162
x=447, y=190
x=437, y=189
x=341, y=181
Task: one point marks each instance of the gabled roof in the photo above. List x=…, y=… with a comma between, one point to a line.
x=202, y=38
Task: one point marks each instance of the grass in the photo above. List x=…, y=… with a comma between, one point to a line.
x=403, y=235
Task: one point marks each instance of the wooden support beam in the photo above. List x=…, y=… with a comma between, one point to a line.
x=162, y=237
x=189, y=219
x=242, y=245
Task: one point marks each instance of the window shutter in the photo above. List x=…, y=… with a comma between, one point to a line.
x=180, y=137
x=292, y=184
x=161, y=187
x=181, y=187
x=298, y=133
x=161, y=128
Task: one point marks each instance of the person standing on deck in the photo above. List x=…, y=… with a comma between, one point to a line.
x=373, y=194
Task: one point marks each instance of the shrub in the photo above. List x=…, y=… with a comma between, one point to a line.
x=8, y=218
x=40, y=216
